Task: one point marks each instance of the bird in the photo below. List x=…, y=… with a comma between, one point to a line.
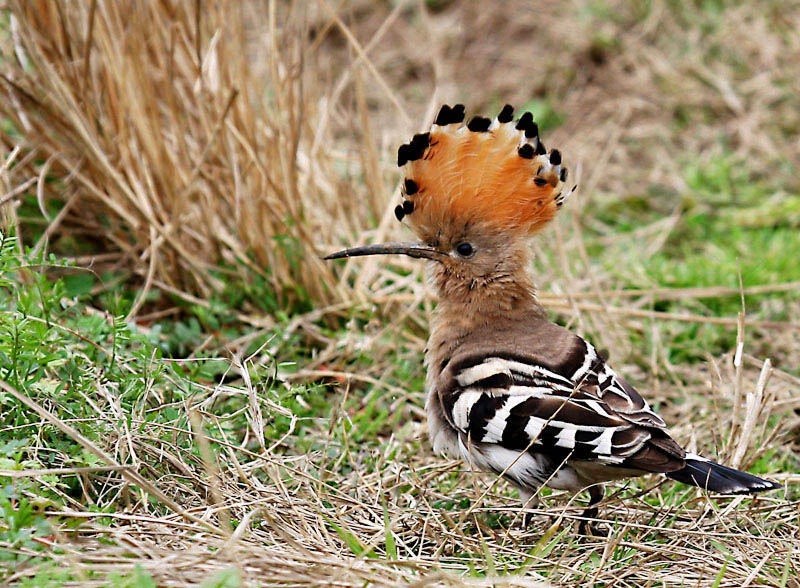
x=509, y=391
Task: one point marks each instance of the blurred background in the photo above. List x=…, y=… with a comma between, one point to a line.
x=219, y=146
x=171, y=173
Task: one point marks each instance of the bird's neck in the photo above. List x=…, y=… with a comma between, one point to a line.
x=465, y=306
x=495, y=297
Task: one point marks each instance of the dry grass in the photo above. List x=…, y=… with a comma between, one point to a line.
x=179, y=137
x=193, y=147
x=273, y=517
x=239, y=141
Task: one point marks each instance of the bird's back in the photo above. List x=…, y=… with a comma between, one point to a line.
x=522, y=384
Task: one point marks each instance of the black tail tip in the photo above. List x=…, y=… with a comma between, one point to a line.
x=715, y=477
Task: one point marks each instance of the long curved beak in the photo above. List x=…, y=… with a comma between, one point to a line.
x=418, y=250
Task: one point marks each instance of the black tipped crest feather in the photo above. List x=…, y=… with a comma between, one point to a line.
x=525, y=121
x=479, y=124
x=450, y=116
x=526, y=151
x=502, y=143
x=506, y=115
x=410, y=186
x=413, y=150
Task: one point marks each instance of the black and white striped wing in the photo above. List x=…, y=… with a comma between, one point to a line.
x=576, y=407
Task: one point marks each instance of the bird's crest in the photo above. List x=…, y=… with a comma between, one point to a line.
x=497, y=173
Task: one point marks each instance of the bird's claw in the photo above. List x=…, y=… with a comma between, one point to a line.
x=591, y=529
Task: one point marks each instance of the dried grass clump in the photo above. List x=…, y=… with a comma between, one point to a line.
x=179, y=137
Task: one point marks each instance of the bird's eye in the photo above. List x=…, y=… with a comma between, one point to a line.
x=464, y=249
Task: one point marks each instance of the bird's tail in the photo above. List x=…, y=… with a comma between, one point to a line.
x=712, y=476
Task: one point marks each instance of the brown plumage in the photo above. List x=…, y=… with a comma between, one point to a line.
x=508, y=391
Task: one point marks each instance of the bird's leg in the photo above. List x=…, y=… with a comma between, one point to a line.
x=596, y=492
x=587, y=527
x=530, y=499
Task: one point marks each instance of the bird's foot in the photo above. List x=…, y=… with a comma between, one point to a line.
x=588, y=525
x=592, y=529
x=527, y=519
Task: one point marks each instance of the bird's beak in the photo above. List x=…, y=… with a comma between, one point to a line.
x=418, y=250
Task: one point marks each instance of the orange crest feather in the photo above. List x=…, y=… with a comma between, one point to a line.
x=491, y=172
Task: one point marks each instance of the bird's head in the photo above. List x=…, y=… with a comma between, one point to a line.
x=473, y=194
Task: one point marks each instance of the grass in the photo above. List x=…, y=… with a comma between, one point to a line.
x=189, y=397
x=729, y=229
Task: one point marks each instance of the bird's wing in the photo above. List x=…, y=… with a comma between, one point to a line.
x=561, y=399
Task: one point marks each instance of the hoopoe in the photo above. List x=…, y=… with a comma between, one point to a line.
x=508, y=391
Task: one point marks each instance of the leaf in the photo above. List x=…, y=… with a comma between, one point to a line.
x=391, y=546
x=487, y=555
x=721, y=574
x=542, y=547
x=224, y=579
x=79, y=283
